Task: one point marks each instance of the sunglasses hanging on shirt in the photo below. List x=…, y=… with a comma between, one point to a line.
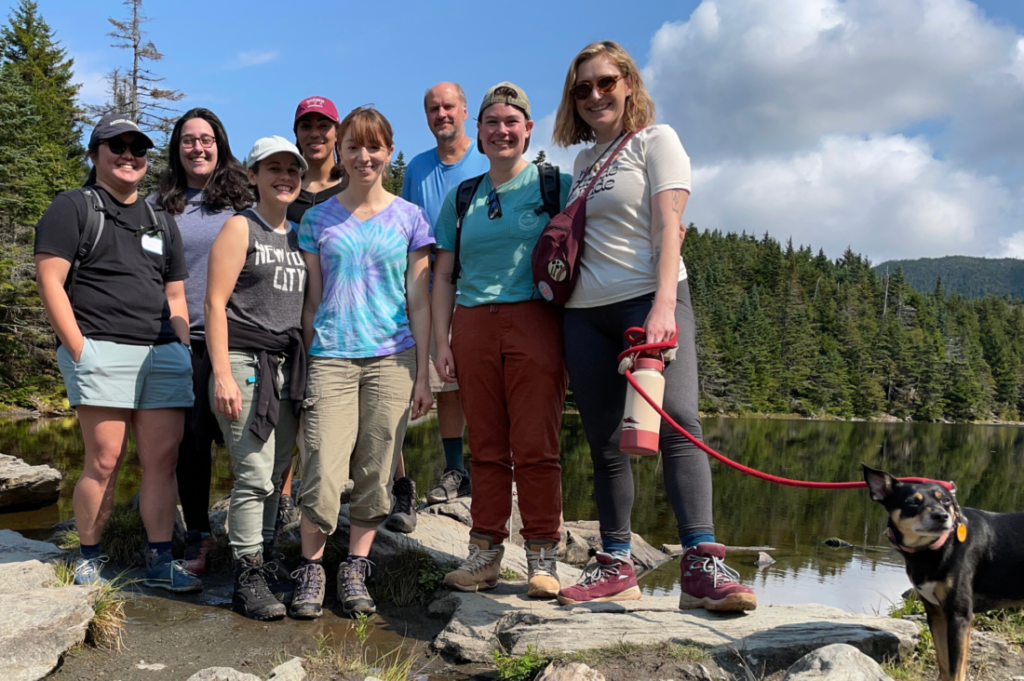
x=493, y=205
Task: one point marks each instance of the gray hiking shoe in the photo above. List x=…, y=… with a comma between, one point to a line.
x=453, y=484
x=87, y=571
x=310, y=586
x=352, y=593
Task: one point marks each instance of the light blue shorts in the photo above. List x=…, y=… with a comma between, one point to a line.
x=128, y=376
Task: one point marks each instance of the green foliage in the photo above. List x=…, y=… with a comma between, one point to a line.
x=409, y=578
x=395, y=177
x=962, y=275
x=781, y=330
x=123, y=534
x=522, y=668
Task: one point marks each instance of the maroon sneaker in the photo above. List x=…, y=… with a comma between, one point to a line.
x=707, y=582
x=612, y=579
x=197, y=548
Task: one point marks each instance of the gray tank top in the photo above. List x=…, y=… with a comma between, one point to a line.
x=270, y=287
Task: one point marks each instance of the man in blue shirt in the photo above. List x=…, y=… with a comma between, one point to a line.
x=429, y=178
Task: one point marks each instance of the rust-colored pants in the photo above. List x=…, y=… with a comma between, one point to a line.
x=511, y=366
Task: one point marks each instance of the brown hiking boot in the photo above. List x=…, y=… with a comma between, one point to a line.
x=541, y=557
x=480, y=570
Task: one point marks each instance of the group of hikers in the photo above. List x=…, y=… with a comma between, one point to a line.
x=291, y=299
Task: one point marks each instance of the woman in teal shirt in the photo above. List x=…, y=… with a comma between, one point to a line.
x=507, y=345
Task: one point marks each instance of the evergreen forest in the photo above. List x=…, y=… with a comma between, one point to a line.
x=966, y=275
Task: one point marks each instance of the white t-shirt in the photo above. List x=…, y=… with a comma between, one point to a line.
x=618, y=259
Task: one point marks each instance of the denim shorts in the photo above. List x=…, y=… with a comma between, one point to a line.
x=128, y=376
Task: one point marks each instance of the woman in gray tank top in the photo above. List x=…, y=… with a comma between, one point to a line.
x=255, y=287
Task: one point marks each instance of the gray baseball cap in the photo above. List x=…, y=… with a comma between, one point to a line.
x=268, y=146
x=506, y=93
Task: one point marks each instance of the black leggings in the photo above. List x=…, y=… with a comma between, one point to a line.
x=593, y=340
x=194, y=462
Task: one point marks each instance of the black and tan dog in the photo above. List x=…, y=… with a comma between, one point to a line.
x=960, y=561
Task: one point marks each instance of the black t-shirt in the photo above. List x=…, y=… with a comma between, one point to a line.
x=308, y=199
x=119, y=294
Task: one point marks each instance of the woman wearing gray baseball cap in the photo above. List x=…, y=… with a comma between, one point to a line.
x=110, y=272
x=257, y=365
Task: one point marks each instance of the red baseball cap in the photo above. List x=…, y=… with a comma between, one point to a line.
x=319, y=105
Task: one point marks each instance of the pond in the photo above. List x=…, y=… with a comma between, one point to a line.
x=986, y=462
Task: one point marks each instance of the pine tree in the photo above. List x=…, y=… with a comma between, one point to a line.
x=28, y=47
x=395, y=178
x=18, y=167
x=540, y=158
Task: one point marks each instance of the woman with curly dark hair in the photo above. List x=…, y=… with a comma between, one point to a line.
x=203, y=186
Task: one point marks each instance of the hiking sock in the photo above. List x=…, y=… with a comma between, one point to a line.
x=161, y=547
x=311, y=561
x=90, y=550
x=616, y=549
x=695, y=538
x=453, y=453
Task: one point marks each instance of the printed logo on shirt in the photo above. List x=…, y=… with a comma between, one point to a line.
x=528, y=220
x=605, y=183
x=289, y=269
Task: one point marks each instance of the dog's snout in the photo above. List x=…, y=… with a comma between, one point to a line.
x=939, y=515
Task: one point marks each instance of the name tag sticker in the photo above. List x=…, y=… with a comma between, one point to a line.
x=153, y=244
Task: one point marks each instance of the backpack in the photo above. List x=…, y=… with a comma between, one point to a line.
x=92, y=230
x=550, y=195
x=556, y=257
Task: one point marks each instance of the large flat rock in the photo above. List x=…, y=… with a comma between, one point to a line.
x=31, y=574
x=16, y=549
x=38, y=626
x=24, y=487
x=776, y=635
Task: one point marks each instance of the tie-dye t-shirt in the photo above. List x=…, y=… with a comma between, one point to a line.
x=363, y=262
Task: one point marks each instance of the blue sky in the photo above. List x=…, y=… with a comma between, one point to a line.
x=892, y=126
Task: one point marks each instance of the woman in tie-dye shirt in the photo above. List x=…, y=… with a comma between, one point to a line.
x=367, y=253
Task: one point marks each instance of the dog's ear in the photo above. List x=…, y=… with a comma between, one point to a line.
x=880, y=483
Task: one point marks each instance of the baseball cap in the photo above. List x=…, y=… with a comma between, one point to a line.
x=506, y=93
x=268, y=146
x=320, y=105
x=114, y=124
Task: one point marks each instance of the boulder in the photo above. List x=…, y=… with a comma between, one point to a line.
x=30, y=574
x=582, y=536
x=39, y=626
x=837, y=662
x=24, y=487
x=574, y=671
x=289, y=671
x=763, y=559
x=775, y=635
x=14, y=548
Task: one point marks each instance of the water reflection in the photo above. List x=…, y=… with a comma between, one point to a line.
x=985, y=462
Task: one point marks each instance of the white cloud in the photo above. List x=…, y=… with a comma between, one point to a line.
x=90, y=77
x=252, y=58
x=796, y=114
x=886, y=196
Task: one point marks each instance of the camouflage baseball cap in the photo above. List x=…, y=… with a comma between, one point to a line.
x=506, y=93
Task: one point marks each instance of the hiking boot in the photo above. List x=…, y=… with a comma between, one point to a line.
x=310, y=586
x=252, y=597
x=610, y=579
x=707, y=582
x=276, y=576
x=481, y=569
x=196, y=549
x=163, y=572
x=453, y=484
x=352, y=593
x=403, y=515
x=287, y=513
x=87, y=571
x=540, y=558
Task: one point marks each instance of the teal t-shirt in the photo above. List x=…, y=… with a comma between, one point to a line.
x=495, y=254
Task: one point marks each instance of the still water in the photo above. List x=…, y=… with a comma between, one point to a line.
x=984, y=461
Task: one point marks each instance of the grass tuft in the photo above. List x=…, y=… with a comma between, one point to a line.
x=354, y=658
x=67, y=539
x=123, y=534
x=106, y=629
x=410, y=578
x=526, y=667
x=508, y=574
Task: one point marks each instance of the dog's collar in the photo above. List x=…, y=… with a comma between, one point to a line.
x=934, y=546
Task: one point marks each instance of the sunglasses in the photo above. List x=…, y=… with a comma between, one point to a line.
x=604, y=85
x=493, y=206
x=138, y=147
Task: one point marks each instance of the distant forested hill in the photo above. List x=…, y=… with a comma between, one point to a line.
x=971, y=277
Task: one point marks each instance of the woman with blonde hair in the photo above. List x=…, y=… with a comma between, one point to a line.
x=632, y=275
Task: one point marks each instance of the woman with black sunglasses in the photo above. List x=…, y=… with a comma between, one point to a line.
x=507, y=344
x=632, y=275
x=118, y=308
x=203, y=185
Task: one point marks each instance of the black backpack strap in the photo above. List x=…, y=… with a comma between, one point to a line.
x=463, y=200
x=165, y=231
x=550, y=190
x=89, y=235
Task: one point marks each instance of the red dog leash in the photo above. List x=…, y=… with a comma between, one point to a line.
x=636, y=338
